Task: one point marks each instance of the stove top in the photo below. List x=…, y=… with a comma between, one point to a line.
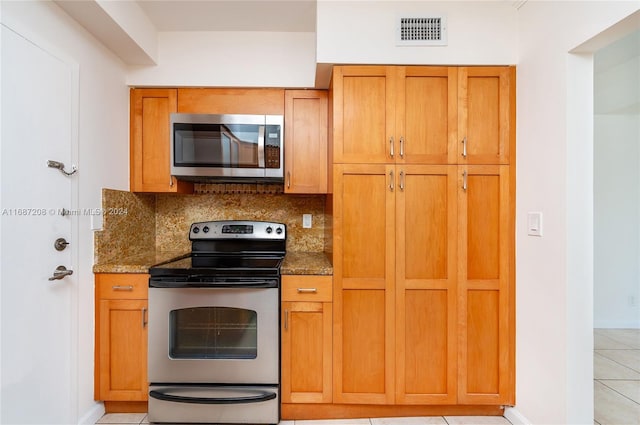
x=228, y=251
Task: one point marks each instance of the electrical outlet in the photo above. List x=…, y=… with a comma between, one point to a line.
x=306, y=221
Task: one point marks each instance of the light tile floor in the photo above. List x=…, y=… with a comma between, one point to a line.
x=616, y=364
x=141, y=418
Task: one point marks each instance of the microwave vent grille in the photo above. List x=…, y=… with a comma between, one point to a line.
x=421, y=31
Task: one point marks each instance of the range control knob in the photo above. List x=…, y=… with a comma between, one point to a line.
x=205, y=229
x=269, y=230
x=279, y=230
x=196, y=229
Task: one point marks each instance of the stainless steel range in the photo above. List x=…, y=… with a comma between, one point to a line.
x=214, y=342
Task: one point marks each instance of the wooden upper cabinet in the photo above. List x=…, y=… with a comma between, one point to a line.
x=486, y=114
x=150, y=142
x=305, y=141
x=485, y=276
x=363, y=114
x=231, y=101
x=426, y=115
x=423, y=114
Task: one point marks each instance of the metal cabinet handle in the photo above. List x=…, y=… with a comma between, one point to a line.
x=401, y=146
x=464, y=147
x=288, y=179
x=401, y=180
x=286, y=319
x=307, y=290
x=60, y=273
x=391, y=146
x=464, y=180
x=170, y=181
x=144, y=317
x=122, y=287
x=391, y=180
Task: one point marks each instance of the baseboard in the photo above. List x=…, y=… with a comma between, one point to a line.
x=514, y=416
x=93, y=415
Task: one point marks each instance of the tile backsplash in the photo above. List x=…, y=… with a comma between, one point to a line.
x=129, y=226
x=175, y=213
x=161, y=222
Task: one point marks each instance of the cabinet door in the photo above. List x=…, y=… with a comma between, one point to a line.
x=305, y=141
x=426, y=283
x=486, y=114
x=150, y=141
x=427, y=115
x=306, y=352
x=122, y=334
x=363, y=114
x=364, y=224
x=486, y=314
x=258, y=101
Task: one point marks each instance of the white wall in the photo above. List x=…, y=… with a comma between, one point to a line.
x=554, y=274
x=363, y=32
x=617, y=184
x=230, y=59
x=616, y=220
x=103, y=151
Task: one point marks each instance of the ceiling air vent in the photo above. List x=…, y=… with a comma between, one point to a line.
x=414, y=31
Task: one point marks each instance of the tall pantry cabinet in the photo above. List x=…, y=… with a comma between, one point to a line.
x=423, y=235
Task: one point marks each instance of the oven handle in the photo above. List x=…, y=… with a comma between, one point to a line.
x=259, y=397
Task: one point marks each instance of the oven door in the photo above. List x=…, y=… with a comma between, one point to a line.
x=213, y=335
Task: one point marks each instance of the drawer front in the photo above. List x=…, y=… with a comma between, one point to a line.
x=307, y=288
x=112, y=286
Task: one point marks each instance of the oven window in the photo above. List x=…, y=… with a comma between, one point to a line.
x=213, y=333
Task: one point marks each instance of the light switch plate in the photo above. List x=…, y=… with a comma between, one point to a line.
x=306, y=221
x=534, y=224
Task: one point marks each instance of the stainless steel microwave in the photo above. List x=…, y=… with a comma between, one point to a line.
x=206, y=147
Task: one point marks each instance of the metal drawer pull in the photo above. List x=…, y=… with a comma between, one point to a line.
x=307, y=290
x=401, y=147
x=464, y=180
x=122, y=287
x=288, y=179
x=401, y=180
x=391, y=180
x=464, y=147
x=144, y=317
x=391, y=146
x=286, y=320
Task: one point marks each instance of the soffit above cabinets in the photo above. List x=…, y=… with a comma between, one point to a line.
x=130, y=28
x=238, y=15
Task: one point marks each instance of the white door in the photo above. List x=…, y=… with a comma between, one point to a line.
x=36, y=313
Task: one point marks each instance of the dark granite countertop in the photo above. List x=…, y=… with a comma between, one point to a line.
x=305, y=263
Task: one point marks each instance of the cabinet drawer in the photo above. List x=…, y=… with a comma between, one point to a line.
x=307, y=288
x=122, y=286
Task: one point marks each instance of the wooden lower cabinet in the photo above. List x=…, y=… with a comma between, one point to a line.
x=306, y=339
x=423, y=285
x=486, y=251
x=121, y=339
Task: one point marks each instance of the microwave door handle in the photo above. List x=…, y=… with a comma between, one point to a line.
x=261, y=129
